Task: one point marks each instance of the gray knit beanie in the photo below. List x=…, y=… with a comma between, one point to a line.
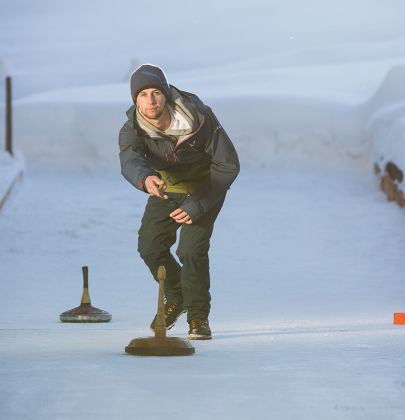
x=148, y=76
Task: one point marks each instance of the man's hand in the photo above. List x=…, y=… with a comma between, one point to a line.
x=180, y=216
x=155, y=186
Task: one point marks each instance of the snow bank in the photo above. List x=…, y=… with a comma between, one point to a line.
x=263, y=129
x=291, y=86
x=386, y=128
x=310, y=113
x=72, y=133
x=338, y=113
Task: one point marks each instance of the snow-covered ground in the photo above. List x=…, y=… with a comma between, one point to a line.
x=307, y=255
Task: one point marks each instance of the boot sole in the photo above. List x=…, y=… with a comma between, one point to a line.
x=199, y=337
x=173, y=323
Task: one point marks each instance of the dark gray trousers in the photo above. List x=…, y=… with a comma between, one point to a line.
x=187, y=283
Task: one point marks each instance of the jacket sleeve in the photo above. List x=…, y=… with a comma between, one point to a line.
x=134, y=166
x=224, y=169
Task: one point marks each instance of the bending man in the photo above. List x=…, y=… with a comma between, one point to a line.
x=173, y=148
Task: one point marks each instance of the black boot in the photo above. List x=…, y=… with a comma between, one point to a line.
x=172, y=312
x=199, y=329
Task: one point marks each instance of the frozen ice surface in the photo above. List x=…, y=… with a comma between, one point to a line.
x=307, y=268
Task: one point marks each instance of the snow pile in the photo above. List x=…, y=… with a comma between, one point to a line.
x=11, y=170
x=386, y=123
x=291, y=85
x=69, y=132
x=386, y=128
x=318, y=113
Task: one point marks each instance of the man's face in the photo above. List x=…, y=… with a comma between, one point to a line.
x=151, y=103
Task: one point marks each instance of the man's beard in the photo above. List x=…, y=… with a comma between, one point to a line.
x=153, y=114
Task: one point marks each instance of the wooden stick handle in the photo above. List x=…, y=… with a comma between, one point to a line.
x=160, y=326
x=85, y=295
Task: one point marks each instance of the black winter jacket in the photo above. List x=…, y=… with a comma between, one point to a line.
x=209, y=149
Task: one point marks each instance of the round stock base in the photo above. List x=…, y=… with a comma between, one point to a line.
x=85, y=313
x=154, y=346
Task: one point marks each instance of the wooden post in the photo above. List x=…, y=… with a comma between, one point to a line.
x=9, y=117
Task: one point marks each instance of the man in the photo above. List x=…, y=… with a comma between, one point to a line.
x=174, y=148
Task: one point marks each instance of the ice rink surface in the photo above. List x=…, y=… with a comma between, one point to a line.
x=307, y=270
